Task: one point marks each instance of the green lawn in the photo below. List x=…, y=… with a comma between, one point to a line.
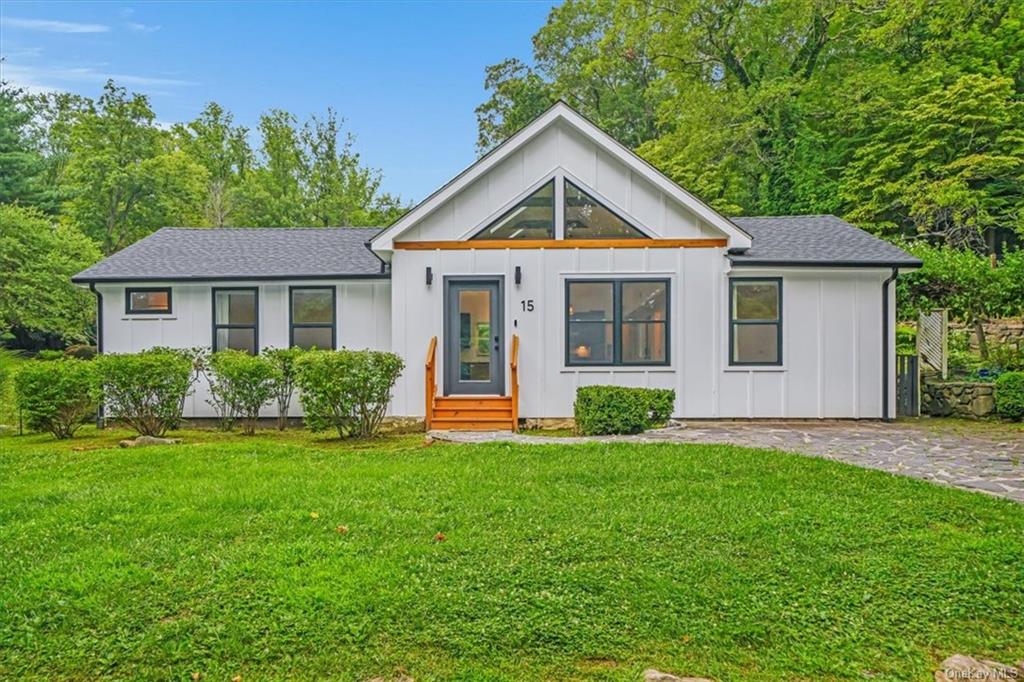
x=222, y=556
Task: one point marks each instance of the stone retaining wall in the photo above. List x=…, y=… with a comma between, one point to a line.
x=1009, y=330
x=958, y=399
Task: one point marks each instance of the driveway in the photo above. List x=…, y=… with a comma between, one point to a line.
x=982, y=458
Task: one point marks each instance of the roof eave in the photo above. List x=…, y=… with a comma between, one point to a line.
x=789, y=263
x=79, y=279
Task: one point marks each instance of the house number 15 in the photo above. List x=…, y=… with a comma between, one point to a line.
x=527, y=305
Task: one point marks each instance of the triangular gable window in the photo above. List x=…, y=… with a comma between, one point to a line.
x=587, y=218
x=531, y=218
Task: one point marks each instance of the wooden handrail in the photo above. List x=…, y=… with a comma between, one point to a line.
x=431, y=381
x=514, y=378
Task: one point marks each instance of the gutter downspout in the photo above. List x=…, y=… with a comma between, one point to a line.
x=885, y=344
x=99, y=343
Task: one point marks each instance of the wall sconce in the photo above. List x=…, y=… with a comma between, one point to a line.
x=519, y=275
x=430, y=276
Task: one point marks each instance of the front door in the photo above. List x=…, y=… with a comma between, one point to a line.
x=473, y=337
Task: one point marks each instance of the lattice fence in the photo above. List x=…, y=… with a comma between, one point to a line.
x=933, y=340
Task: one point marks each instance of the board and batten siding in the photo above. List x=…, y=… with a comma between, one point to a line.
x=832, y=336
x=362, y=312
x=559, y=148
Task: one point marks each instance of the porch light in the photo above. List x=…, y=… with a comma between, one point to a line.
x=519, y=275
x=430, y=276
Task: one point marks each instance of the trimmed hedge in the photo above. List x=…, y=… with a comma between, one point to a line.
x=147, y=390
x=606, y=410
x=57, y=395
x=1010, y=396
x=283, y=360
x=346, y=390
x=244, y=383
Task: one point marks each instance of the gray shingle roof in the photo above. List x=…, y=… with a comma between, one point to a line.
x=179, y=253
x=816, y=240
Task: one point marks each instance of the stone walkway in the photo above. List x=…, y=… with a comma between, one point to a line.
x=988, y=462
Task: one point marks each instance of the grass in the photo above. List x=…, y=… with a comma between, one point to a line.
x=223, y=556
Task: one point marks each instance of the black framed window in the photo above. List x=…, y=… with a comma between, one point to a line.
x=149, y=301
x=617, y=322
x=236, y=319
x=755, y=321
x=531, y=218
x=588, y=218
x=311, y=315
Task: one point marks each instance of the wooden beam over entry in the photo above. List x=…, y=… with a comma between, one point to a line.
x=561, y=244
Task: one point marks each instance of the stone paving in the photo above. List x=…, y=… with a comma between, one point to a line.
x=988, y=461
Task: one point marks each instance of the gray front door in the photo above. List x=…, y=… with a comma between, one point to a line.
x=473, y=337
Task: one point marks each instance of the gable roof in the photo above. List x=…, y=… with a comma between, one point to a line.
x=559, y=111
x=228, y=253
x=822, y=240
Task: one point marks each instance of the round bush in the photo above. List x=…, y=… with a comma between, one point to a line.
x=1010, y=396
x=147, y=390
x=57, y=395
x=606, y=410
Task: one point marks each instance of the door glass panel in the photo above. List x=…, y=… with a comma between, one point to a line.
x=475, y=339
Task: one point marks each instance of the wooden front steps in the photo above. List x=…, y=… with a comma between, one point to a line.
x=468, y=412
x=472, y=413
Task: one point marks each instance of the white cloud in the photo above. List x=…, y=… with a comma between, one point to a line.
x=51, y=78
x=141, y=28
x=54, y=26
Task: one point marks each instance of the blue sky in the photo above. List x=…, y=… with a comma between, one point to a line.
x=405, y=76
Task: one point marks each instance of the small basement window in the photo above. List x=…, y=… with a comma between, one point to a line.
x=755, y=321
x=617, y=322
x=312, y=317
x=236, y=319
x=147, y=301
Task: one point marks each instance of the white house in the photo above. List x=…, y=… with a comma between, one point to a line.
x=560, y=259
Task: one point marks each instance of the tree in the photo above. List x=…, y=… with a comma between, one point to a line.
x=271, y=195
x=223, y=149
x=22, y=167
x=125, y=178
x=38, y=303
x=904, y=115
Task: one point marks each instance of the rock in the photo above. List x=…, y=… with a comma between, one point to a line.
x=960, y=667
x=143, y=441
x=983, y=405
x=652, y=675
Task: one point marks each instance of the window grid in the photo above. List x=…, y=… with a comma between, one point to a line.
x=734, y=323
x=617, y=323
x=332, y=325
x=254, y=326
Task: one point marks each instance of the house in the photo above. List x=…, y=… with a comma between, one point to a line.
x=560, y=259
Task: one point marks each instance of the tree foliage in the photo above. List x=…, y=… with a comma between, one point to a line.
x=902, y=115
x=38, y=303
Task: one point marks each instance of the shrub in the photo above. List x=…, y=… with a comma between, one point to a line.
x=47, y=355
x=604, y=410
x=1010, y=395
x=1006, y=357
x=245, y=383
x=147, y=390
x=81, y=351
x=346, y=390
x=57, y=395
x=283, y=360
